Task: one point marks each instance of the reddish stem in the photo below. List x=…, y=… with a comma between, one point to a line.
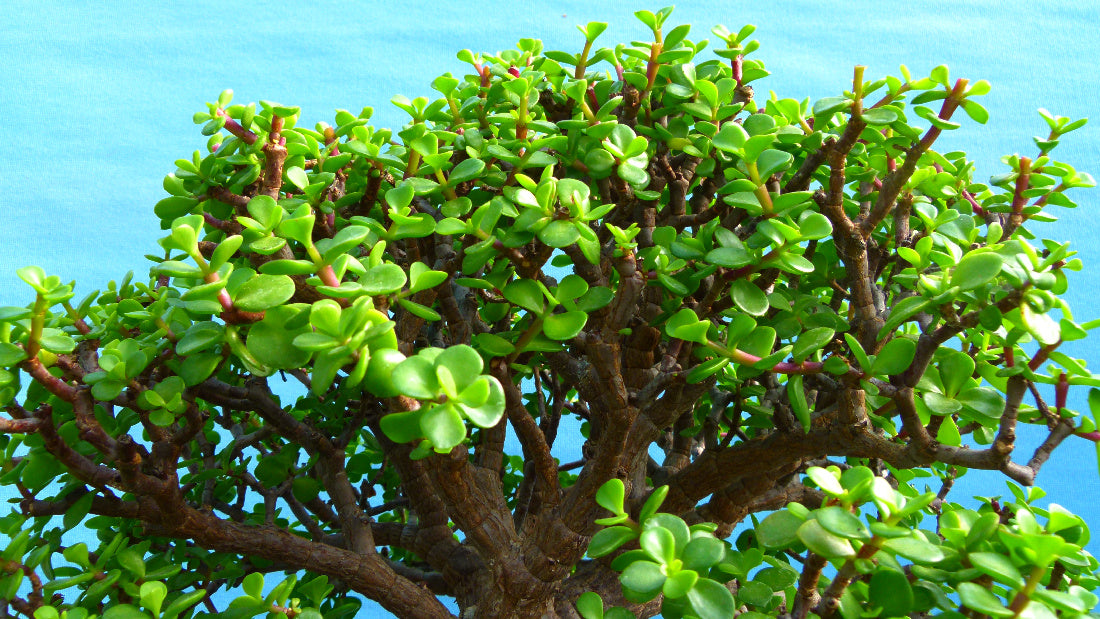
x=1060, y=392
x=236, y=129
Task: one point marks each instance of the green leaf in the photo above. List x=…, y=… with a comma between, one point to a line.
x=659, y=544
x=879, y=116
x=443, y=425
x=956, y=368
x=176, y=206
x=814, y=226
x=610, y=496
x=822, y=542
x=842, y=522
x=902, y=311
x=123, y=611
x=750, y=298
x=916, y=550
x=633, y=174
x=263, y=292
x=385, y=278
x=730, y=138
x=415, y=377
x=564, y=326
x=895, y=357
x=976, y=269
x=345, y=239
x=465, y=171
x=857, y=351
x=463, y=363
x=799, y=405
x=653, y=503
x=975, y=111
x=825, y=480
x=703, y=552
x=401, y=195
x=526, y=294
x=729, y=257
x=643, y=577
x=402, y=427
x=175, y=268
x=152, y=596
x=298, y=177
x=997, y=566
x=811, y=341
x=779, y=529
x=679, y=583
x=685, y=325
x=980, y=599
x=253, y=585
x=10, y=355
x=288, y=267
x=421, y=278
x=771, y=161
x=590, y=604
x=711, y=600
x=559, y=233
x=830, y=105
x=198, y=337
x=271, y=341
x=891, y=592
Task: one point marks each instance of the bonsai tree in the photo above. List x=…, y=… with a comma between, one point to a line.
x=359, y=357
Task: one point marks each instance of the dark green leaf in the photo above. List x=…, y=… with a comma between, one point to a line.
x=895, y=357
x=729, y=257
x=590, y=605
x=643, y=577
x=711, y=600
x=891, y=593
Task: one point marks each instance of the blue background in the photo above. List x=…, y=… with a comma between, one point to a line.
x=97, y=103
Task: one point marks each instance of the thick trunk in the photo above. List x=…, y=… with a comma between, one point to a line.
x=558, y=600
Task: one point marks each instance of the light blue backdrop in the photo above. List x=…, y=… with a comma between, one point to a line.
x=97, y=102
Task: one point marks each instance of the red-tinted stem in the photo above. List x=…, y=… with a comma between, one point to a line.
x=236, y=129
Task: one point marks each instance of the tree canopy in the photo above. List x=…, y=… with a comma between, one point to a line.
x=358, y=355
